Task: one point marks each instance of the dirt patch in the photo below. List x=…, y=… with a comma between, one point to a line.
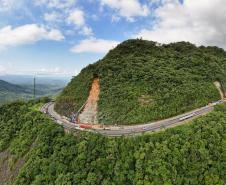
x=9, y=168
x=10, y=165
x=219, y=88
x=89, y=113
x=94, y=93
x=145, y=100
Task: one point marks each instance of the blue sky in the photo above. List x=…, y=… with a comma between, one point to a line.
x=61, y=37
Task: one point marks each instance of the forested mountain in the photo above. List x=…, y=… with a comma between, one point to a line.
x=35, y=151
x=5, y=86
x=142, y=81
x=24, y=90
x=10, y=92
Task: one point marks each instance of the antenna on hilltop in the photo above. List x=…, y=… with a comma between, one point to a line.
x=34, y=87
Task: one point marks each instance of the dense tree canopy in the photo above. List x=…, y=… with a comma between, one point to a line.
x=141, y=82
x=189, y=154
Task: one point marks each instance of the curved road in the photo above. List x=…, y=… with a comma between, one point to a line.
x=130, y=130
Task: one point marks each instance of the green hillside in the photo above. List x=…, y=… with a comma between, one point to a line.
x=141, y=82
x=35, y=151
x=11, y=92
x=5, y=86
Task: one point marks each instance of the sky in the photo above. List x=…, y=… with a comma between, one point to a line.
x=60, y=37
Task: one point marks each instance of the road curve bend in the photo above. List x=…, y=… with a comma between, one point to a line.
x=48, y=108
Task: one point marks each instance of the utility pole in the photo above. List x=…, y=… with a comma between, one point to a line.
x=34, y=86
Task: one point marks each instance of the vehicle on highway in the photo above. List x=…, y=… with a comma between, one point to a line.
x=59, y=122
x=144, y=128
x=45, y=110
x=106, y=128
x=187, y=116
x=85, y=126
x=217, y=102
x=65, y=118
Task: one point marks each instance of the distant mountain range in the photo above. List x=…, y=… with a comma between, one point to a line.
x=28, y=79
x=16, y=87
x=9, y=87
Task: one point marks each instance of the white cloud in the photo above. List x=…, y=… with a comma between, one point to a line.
x=77, y=18
x=55, y=71
x=52, y=17
x=27, y=34
x=94, y=46
x=7, y=5
x=128, y=9
x=86, y=31
x=64, y=12
x=115, y=18
x=53, y=34
x=201, y=22
x=58, y=4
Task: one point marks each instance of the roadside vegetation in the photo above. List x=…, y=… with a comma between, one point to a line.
x=142, y=82
x=189, y=154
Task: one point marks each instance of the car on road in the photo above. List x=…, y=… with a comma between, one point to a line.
x=145, y=128
x=187, y=116
x=106, y=128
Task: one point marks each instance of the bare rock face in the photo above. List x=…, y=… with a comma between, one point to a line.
x=9, y=169
x=219, y=88
x=89, y=113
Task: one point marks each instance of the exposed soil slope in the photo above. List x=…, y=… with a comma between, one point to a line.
x=8, y=168
x=219, y=88
x=89, y=113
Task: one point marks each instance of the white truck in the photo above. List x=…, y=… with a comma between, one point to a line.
x=187, y=117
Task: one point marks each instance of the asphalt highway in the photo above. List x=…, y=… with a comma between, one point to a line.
x=130, y=130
